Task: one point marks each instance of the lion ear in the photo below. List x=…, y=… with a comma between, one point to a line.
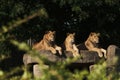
x=47, y=32
x=98, y=34
x=68, y=34
x=73, y=34
x=92, y=33
x=54, y=32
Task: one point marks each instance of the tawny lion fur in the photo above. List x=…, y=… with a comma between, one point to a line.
x=48, y=43
x=70, y=45
x=92, y=44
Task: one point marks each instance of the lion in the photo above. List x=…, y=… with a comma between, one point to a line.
x=70, y=44
x=92, y=44
x=48, y=43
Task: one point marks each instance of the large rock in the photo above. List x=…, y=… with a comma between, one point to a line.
x=86, y=57
x=38, y=70
x=111, y=55
x=29, y=59
x=113, y=58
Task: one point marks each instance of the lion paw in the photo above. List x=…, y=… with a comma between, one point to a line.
x=105, y=52
x=100, y=54
x=59, y=49
x=60, y=52
x=54, y=51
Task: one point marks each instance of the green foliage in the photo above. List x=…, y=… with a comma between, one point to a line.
x=58, y=71
x=98, y=73
x=80, y=16
x=4, y=50
x=23, y=19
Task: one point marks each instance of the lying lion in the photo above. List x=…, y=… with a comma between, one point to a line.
x=70, y=44
x=92, y=44
x=48, y=43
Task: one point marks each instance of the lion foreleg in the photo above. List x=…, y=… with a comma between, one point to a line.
x=53, y=50
x=75, y=54
x=75, y=48
x=76, y=51
x=105, y=52
x=59, y=49
x=98, y=51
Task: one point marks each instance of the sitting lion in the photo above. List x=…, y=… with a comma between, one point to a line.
x=70, y=45
x=92, y=44
x=48, y=43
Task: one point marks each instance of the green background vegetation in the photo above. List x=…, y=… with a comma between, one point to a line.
x=24, y=19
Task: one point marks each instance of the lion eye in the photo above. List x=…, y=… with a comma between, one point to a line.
x=95, y=36
x=71, y=36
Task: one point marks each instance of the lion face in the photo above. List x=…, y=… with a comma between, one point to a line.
x=70, y=37
x=94, y=37
x=50, y=35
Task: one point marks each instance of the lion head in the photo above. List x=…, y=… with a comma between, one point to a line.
x=70, y=37
x=49, y=35
x=94, y=37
